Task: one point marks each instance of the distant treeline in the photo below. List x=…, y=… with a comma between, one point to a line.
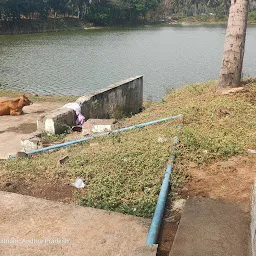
x=204, y=7
x=96, y=11
x=107, y=12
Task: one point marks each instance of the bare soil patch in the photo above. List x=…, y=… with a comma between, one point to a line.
x=229, y=180
x=168, y=230
x=24, y=128
x=56, y=190
x=166, y=237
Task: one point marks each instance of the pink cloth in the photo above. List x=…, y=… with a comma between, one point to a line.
x=75, y=106
x=80, y=119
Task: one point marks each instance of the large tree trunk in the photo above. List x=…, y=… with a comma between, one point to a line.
x=230, y=74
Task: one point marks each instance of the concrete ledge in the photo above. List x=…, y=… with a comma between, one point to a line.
x=56, y=121
x=98, y=126
x=212, y=228
x=125, y=97
x=116, y=101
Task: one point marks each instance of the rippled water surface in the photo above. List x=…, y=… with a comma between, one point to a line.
x=80, y=62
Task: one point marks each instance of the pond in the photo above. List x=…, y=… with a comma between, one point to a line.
x=80, y=62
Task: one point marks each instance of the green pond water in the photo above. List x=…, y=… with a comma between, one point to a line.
x=80, y=62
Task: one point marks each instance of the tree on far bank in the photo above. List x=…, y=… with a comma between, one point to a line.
x=232, y=63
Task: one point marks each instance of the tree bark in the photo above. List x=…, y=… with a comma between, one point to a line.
x=232, y=63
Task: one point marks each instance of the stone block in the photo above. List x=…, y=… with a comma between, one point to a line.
x=57, y=121
x=98, y=126
x=31, y=144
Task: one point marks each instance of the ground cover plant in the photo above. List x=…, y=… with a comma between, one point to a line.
x=123, y=172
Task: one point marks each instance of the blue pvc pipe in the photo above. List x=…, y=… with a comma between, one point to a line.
x=100, y=135
x=159, y=211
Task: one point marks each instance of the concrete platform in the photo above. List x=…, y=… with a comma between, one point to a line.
x=212, y=228
x=15, y=128
x=31, y=226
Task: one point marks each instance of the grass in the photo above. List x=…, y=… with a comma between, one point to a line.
x=123, y=172
x=53, y=138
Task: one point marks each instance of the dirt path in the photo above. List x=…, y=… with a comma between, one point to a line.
x=15, y=128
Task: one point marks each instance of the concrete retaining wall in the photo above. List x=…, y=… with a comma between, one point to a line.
x=124, y=97
x=117, y=100
x=56, y=121
x=253, y=220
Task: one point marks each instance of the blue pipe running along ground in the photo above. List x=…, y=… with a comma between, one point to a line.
x=159, y=211
x=100, y=135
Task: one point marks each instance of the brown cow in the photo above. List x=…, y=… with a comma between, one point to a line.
x=14, y=107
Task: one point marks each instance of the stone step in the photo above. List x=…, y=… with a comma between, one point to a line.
x=33, y=226
x=212, y=228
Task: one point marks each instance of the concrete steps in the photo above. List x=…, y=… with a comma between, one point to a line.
x=212, y=228
x=36, y=227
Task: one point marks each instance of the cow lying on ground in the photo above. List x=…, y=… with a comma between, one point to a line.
x=14, y=107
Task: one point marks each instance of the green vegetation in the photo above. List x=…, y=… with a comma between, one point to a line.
x=99, y=12
x=201, y=7
x=123, y=172
x=53, y=138
x=252, y=16
x=117, y=12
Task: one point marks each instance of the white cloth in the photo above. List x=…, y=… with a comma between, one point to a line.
x=75, y=106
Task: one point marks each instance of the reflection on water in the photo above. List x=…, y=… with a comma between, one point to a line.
x=80, y=62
